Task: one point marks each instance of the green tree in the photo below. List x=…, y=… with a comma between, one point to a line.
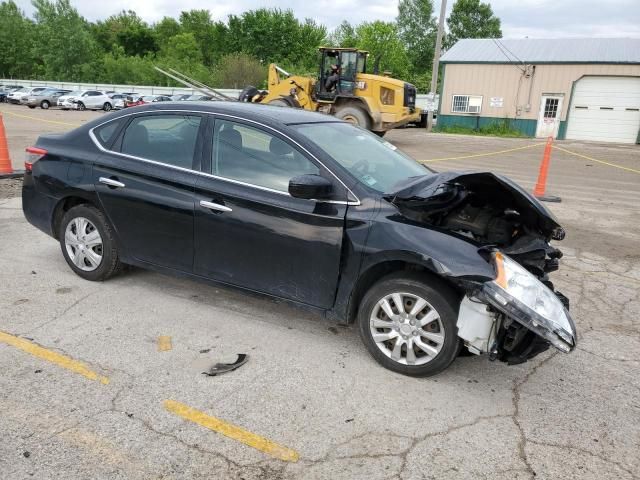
x=127, y=30
x=165, y=29
x=417, y=30
x=65, y=44
x=344, y=35
x=210, y=36
x=471, y=19
x=16, y=42
x=237, y=70
x=182, y=53
x=273, y=35
x=386, y=50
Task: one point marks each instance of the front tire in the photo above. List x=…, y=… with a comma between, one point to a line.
x=88, y=244
x=408, y=324
x=354, y=115
x=81, y=106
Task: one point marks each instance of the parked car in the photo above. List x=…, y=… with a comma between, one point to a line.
x=6, y=90
x=180, y=97
x=306, y=208
x=144, y=99
x=17, y=95
x=118, y=100
x=86, y=100
x=31, y=92
x=199, y=98
x=45, y=98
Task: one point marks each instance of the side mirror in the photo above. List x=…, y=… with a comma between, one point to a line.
x=310, y=187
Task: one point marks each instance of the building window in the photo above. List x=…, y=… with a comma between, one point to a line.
x=466, y=104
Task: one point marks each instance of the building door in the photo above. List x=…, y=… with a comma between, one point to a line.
x=549, y=117
x=605, y=109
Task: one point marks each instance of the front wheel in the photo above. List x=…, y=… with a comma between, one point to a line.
x=408, y=324
x=88, y=244
x=81, y=106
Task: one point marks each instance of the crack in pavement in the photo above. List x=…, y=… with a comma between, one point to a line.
x=586, y=452
x=515, y=391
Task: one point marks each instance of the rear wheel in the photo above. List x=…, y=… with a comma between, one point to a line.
x=31, y=106
x=45, y=105
x=107, y=107
x=87, y=243
x=408, y=324
x=354, y=115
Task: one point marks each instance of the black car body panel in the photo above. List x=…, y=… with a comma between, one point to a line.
x=316, y=253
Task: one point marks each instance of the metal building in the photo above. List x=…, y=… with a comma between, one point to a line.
x=583, y=89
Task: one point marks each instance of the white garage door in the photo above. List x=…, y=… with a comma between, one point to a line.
x=605, y=109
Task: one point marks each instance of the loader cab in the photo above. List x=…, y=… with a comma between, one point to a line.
x=350, y=62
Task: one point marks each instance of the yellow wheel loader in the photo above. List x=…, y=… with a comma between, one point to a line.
x=343, y=89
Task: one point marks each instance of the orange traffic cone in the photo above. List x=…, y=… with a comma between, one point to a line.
x=541, y=184
x=6, y=170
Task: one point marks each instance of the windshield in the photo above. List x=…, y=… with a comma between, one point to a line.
x=375, y=162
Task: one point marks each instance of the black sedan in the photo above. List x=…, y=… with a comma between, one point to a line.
x=306, y=208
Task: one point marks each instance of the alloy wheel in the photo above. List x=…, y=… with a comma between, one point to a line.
x=83, y=244
x=407, y=328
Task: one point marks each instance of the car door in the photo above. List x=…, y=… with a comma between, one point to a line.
x=250, y=232
x=145, y=182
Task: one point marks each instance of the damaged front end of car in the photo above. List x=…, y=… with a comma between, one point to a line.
x=517, y=314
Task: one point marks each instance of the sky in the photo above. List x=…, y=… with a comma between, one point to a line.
x=520, y=18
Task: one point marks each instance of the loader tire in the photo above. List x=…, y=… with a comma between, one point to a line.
x=354, y=115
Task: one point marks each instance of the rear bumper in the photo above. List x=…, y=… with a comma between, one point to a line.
x=37, y=207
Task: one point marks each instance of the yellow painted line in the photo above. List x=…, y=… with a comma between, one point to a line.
x=228, y=430
x=53, y=357
x=164, y=343
x=596, y=160
x=477, y=155
x=4, y=112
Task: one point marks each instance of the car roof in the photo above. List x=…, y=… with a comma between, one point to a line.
x=252, y=111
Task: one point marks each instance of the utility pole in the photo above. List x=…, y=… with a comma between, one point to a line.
x=436, y=62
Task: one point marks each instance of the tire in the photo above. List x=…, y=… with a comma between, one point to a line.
x=31, y=106
x=45, y=105
x=107, y=107
x=81, y=106
x=438, y=336
x=354, y=115
x=280, y=102
x=76, y=235
x=381, y=134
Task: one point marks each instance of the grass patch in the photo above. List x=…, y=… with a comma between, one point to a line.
x=495, y=129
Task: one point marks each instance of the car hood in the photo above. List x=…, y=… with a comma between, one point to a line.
x=440, y=191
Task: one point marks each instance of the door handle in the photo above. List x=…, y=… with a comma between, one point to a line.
x=214, y=206
x=111, y=183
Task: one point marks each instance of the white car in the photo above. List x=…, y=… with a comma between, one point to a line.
x=86, y=100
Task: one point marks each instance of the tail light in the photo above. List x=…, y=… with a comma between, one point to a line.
x=33, y=155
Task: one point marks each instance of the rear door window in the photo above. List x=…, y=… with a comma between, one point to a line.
x=169, y=139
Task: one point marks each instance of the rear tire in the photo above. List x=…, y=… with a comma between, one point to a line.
x=45, y=105
x=88, y=244
x=280, y=102
x=354, y=115
x=107, y=107
x=431, y=332
x=31, y=106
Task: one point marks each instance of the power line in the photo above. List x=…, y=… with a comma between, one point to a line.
x=500, y=47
